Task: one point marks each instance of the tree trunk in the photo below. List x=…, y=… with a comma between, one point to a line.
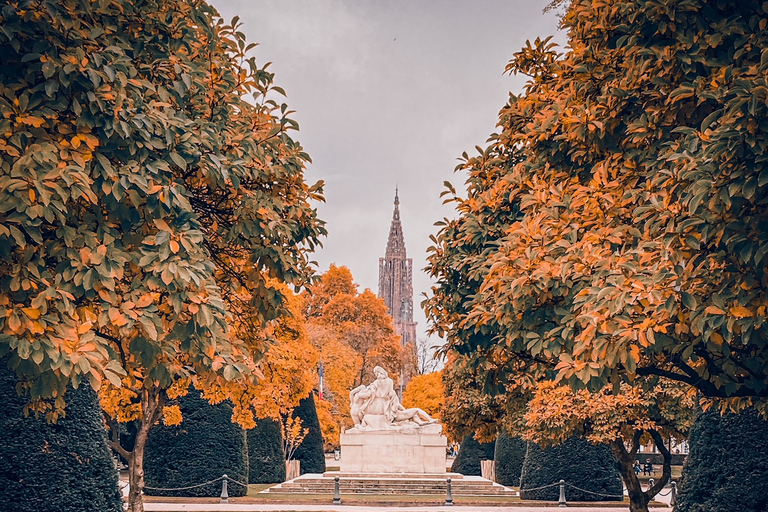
x=638, y=500
x=151, y=406
x=666, y=472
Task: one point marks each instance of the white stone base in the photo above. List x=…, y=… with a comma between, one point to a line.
x=393, y=452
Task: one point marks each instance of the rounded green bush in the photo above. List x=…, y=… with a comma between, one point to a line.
x=205, y=446
x=471, y=452
x=266, y=462
x=509, y=456
x=310, y=451
x=727, y=466
x=61, y=467
x=583, y=465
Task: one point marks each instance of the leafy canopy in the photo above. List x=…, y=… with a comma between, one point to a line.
x=149, y=189
x=615, y=227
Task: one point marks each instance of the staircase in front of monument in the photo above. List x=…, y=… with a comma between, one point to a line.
x=388, y=484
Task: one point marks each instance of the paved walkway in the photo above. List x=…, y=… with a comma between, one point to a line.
x=231, y=507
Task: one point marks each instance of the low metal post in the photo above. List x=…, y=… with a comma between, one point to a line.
x=336, y=491
x=224, y=493
x=651, y=482
x=448, y=494
x=561, y=502
x=673, y=494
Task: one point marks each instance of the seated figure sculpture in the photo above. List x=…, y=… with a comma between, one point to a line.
x=377, y=407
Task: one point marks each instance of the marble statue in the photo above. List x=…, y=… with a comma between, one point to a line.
x=377, y=407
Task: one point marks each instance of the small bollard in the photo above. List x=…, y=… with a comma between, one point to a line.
x=336, y=491
x=651, y=482
x=673, y=494
x=224, y=493
x=561, y=502
x=448, y=494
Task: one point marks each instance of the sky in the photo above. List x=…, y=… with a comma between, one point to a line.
x=389, y=94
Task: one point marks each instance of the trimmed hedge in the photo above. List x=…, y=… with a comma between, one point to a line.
x=727, y=467
x=266, y=462
x=61, y=467
x=310, y=451
x=579, y=463
x=509, y=456
x=471, y=452
x=203, y=447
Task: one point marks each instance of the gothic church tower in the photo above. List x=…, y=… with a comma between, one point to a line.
x=396, y=280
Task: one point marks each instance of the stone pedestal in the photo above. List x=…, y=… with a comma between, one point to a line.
x=410, y=450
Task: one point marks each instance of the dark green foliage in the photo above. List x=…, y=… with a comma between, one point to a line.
x=54, y=467
x=579, y=463
x=203, y=447
x=727, y=467
x=310, y=452
x=509, y=456
x=266, y=462
x=471, y=452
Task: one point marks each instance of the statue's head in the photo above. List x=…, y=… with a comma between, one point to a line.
x=380, y=372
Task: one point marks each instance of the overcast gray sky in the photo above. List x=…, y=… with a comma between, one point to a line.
x=389, y=93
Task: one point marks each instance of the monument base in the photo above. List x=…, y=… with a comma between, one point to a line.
x=413, y=450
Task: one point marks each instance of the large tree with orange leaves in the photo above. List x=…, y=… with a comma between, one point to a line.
x=145, y=203
x=354, y=333
x=614, y=228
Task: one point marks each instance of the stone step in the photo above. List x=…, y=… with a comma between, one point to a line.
x=316, y=484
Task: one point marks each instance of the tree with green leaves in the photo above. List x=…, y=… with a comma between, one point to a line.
x=205, y=446
x=471, y=452
x=266, y=461
x=54, y=467
x=148, y=208
x=584, y=466
x=310, y=450
x=508, y=457
x=726, y=468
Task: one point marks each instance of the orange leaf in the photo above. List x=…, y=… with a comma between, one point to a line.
x=741, y=312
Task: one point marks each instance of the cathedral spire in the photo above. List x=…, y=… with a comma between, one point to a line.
x=395, y=242
x=396, y=285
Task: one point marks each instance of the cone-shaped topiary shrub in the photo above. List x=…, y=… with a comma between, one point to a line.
x=310, y=452
x=266, y=462
x=61, y=467
x=727, y=467
x=203, y=447
x=471, y=452
x=580, y=464
x=509, y=456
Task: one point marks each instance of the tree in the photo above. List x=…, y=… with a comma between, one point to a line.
x=611, y=229
x=427, y=359
x=204, y=447
x=353, y=334
x=508, y=456
x=310, y=450
x=622, y=420
x=425, y=392
x=582, y=465
x=52, y=468
x=159, y=274
x=726, y=468
x=471, y=452
x=266, y=462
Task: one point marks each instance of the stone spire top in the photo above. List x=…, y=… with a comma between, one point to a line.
x=395, y=242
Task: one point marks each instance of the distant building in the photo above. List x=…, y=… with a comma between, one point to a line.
x=396, y=280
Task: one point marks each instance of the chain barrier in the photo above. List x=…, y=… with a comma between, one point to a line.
x=664, y=493
x=236, y=482
x=539, y=488
x=595, y=493
x=186, y=488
